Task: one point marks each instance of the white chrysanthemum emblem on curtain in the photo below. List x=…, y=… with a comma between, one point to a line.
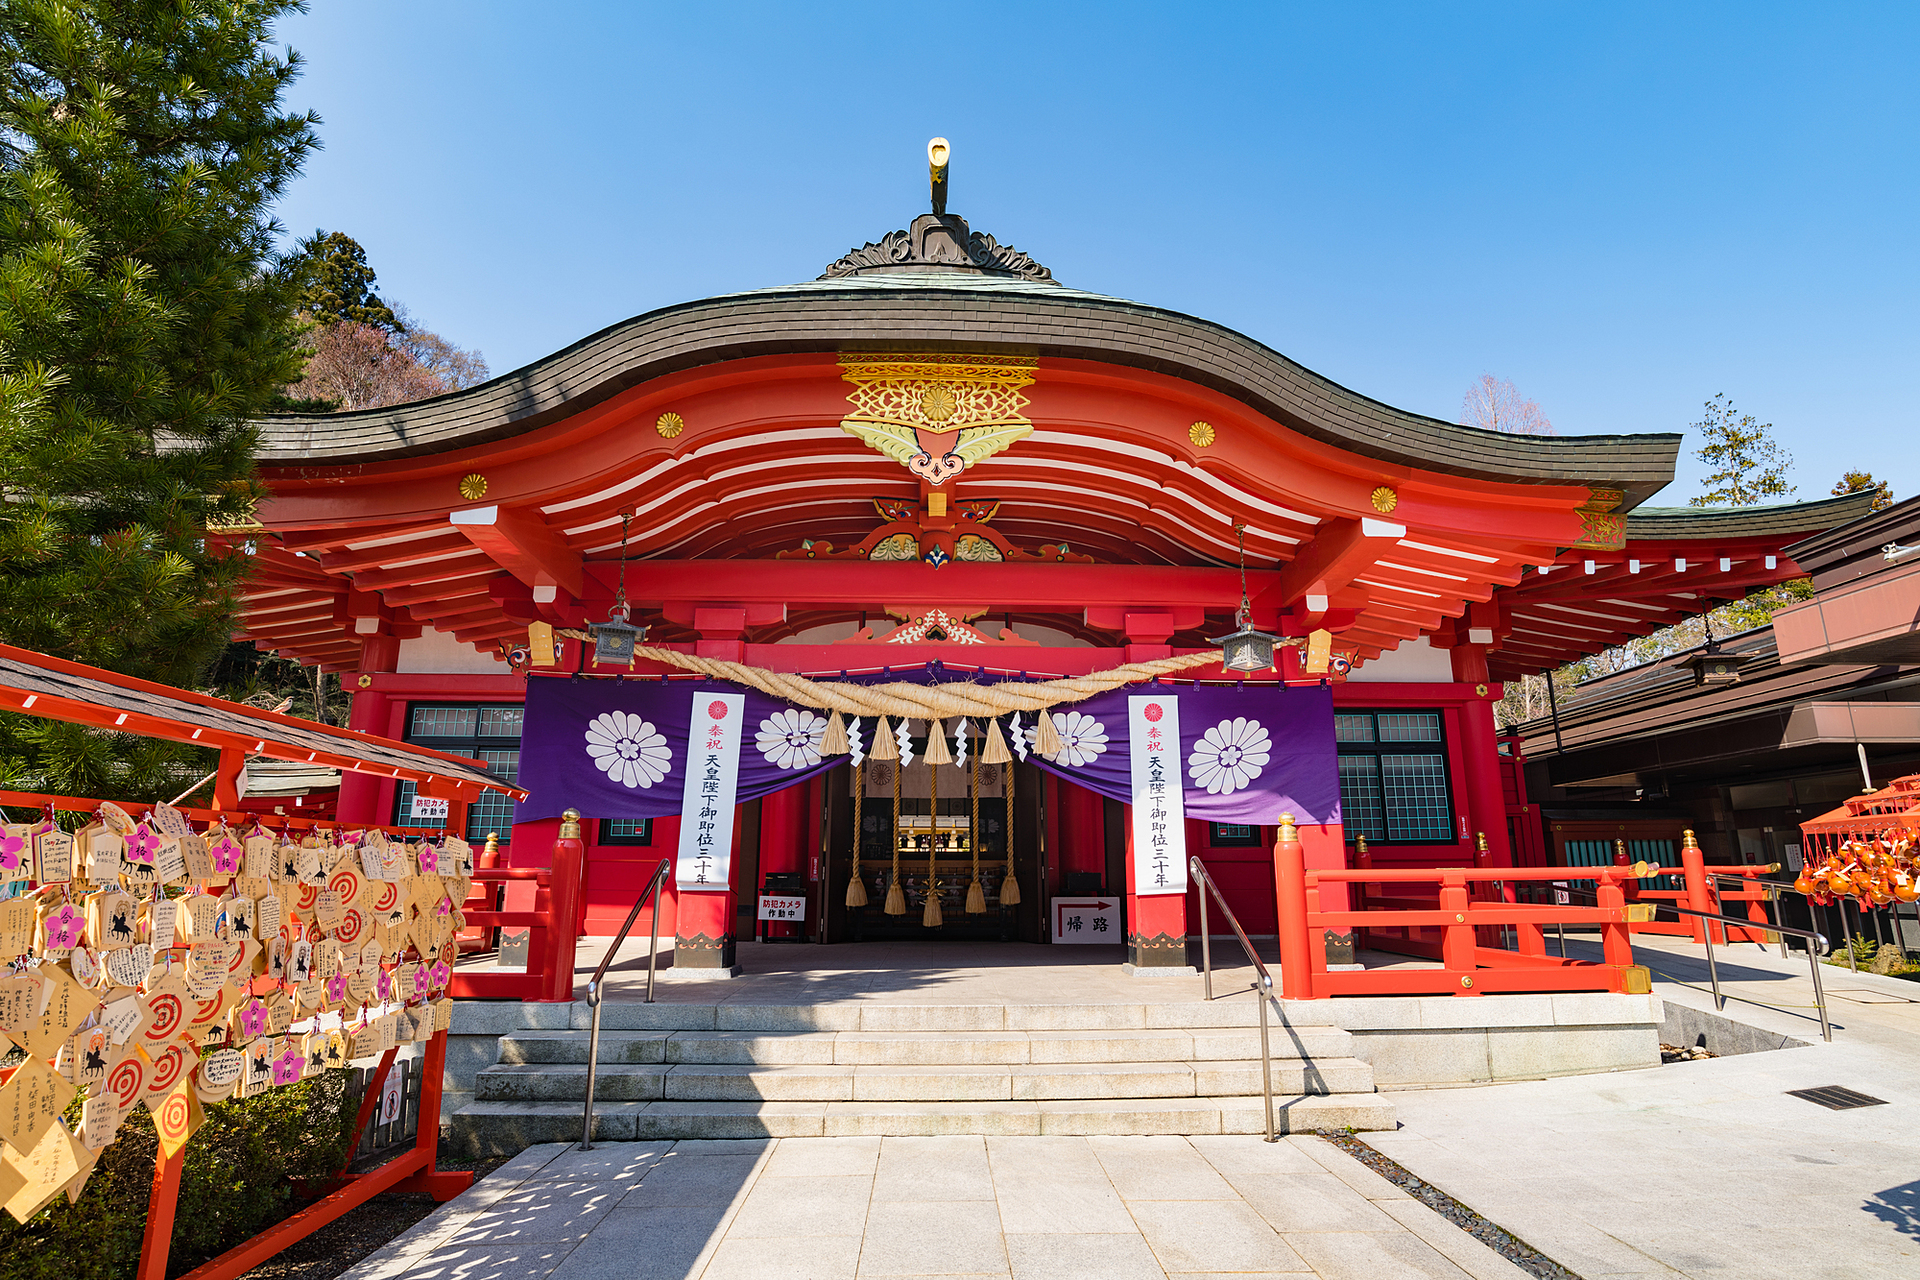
x=1229, y=756
x=628, y=749
x=1081, y=738
x=790, y=739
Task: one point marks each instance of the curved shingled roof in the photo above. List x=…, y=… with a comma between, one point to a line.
x=1659, y=524
x=939, y=311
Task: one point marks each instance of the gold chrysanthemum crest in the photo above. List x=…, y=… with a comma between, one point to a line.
x=473, y=486
x=669, y=425
x=1385, y=500
x=1202, y=434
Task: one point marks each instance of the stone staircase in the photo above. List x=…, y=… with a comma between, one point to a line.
x=731, y=1071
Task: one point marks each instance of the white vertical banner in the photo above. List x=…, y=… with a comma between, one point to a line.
x=1159, y=815
x=705, y=861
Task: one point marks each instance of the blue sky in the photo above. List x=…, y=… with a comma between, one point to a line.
x=1622, y=208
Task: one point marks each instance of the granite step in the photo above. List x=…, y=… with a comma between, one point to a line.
x=1231, y=1010
x=501, y=1128
x=955, y=1084
x=922, y=1048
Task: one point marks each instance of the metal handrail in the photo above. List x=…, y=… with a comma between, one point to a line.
x=596, y=983
x=1263, y=989
x=1713, y=970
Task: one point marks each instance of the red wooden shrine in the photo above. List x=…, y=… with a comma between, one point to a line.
x=936, y=451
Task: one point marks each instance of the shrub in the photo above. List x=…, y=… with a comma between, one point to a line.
x=236, y=1182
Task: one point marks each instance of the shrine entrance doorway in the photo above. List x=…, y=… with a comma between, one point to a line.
x=966, y=835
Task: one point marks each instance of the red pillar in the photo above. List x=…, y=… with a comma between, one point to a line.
x=1156, y=922
x=1083, y=830
x=360, y=792
x=1480, y=748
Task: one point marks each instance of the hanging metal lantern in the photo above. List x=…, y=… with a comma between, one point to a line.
x=613, y=640
x=1247, y=649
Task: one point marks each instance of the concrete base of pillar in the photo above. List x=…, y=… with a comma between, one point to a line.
x=677, y=974
x=1158, y=970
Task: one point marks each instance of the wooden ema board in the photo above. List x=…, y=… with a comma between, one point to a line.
x=174, y=968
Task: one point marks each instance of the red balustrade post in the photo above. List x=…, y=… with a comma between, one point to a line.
x=569, y=865
x=1693, y=863
x=1616, y=942
x=1290, y=885
x=1457, y=940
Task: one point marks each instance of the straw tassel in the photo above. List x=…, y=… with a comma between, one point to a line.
x=996, y=752
x=856, y=884
x=1046, y=740
x=896, y=896
x=976, y=894
x=883, y=747
x=937, y=752
x=930, y=918
x=1009, y=886
x=834, y=741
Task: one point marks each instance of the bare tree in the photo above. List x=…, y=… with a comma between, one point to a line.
x=363, y=366
x=1493, y=404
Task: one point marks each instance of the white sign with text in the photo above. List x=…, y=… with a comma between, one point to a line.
x=705, y=861
x=1077, y=921
x=783, y=906
x=1159, y=817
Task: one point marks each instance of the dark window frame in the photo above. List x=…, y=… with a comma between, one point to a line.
x=1253, y=839
x=469, y=746
x=642, y=840
x=1377, y=748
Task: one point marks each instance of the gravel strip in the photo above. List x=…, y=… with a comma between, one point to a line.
x=1497, y=1238
x=358, y=1232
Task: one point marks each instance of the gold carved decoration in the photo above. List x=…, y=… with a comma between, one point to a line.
x=901, y=546
x=937, y=413
x=670, y=425
x=1202, y=434
x=473, y=486
x=1600, y=528
x=1385, y=500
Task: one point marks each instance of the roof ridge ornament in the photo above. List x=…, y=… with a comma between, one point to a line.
x=939, y=241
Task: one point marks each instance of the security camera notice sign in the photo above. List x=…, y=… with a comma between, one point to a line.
x=1078, y=920
x=783, y=907
x=428, y=809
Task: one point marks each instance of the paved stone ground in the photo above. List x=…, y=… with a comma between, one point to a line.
x=1020, y=1208
x=1703, y=1169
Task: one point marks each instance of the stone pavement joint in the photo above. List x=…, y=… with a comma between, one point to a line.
x=1019, y=1208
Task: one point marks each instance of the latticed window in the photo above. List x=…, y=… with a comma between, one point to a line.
x=489, y=734
x=1393, y=777
x=636, y=831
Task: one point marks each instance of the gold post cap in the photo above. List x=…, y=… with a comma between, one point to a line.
x=570, y=824
x=1687, y=840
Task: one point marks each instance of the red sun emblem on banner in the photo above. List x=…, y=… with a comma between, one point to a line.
x=1153, y=712
x=717, y=709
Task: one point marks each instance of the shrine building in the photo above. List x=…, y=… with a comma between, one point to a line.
x=934, y=462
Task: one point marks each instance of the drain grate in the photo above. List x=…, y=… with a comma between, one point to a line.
x=1837, y=1098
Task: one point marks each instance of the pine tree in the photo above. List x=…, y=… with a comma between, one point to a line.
x=337, y=284
x=1747, y=464
x=144, y=321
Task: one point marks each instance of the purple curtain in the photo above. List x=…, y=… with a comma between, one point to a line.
x=618, y=750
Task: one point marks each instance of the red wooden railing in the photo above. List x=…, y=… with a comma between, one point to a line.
x=1459, y=916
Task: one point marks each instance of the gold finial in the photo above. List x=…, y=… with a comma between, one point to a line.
x=1360, y=842
x=1687, y=840
x=570, y=824
x=939, y=152
x=1480, y=841
x=493, y=842
x=1619, y=847
x=1287, y=833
